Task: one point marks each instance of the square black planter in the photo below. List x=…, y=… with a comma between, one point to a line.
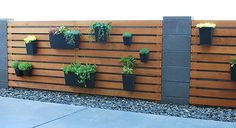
x=128, y=82
x=27, y=72
x=233, y=72
x=100, y=40
x=59, y=42
x=144, y=58
x=90, y=83
x=205, y=35
x=18, y=72
x=127, y=40
x=71, y=79
x=31, y=48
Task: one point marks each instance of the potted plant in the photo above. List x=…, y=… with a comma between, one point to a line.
x=127, y=38
x=144, y=54
x=233, y=69
x=128, y=77
x=15, y=65
x=69, y=72
x=63, y=38
x=30, y=42
x=101, y=31
x=205, y=32
x=26, y=68
x=87, y=75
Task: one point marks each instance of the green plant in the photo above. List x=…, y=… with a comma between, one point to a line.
x=84, y=71
x=15, y=64
x=71, y=68
x=206, y=25
x=30, y=39
x=233, y=61
x=127, y=70
x=58, y=30
x=70, y=36
x=104, y=30
x=127, y=34
x=25, y=66
x=128, y=61
x=144, y=51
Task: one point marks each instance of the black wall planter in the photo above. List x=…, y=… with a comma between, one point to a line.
x=31, y=48
x=59, y=42
x=233, y=72
x=71, y=79
x=127, y=40
x=18, y=72
x=90, y=83
x=27, y=72
x=100, y=40
x=128, y=82
x=144, y=57
x=205, y=35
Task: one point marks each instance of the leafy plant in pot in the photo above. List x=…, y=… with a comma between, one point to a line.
x=144, y=54
x=26, y=68
x=127, y=38
x=15, y=65
x=69, y=72
x=101, y=31
x=205, y=33
x=63, y=38
x=128, y=76
x=233, y=69
x=31, y=46
x=86, y=75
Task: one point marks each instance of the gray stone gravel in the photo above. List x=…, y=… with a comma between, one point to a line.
x=124, y=104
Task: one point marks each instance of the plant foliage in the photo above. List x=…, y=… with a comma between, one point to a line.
x=206, y=25
x=103, y=30
x=30, y=39
x=25, y=66
x=70, y=36
x=15, y=64
x=127, y=34
x=128, y=64
x=144, y=51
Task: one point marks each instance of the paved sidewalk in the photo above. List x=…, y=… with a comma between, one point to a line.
x=16, y=113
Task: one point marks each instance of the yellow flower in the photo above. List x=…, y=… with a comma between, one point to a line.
x=29, y=39
x=206, y=25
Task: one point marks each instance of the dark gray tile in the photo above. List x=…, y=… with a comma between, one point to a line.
x=176, y=58
x=175, y=89
x=176, y=43
x=177, y=74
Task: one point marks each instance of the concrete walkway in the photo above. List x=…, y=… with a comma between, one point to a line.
x=16, y=113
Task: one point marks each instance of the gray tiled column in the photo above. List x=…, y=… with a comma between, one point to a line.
x=3, y=54
x=176, y=60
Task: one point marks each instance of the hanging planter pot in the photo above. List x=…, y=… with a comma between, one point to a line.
x=71, y=79
x=26, y=68
x=205, y=33
x=101, y=31
x=127, y=38
x=62, y=38
x=144, y=55
x=18, y=72
x=233, y=69
x=128, y=82
x=91, y=82
x=31, y=46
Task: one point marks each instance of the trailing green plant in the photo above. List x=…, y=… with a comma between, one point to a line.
x=206, y=25
x=127, y=34
x=58, y=30
x=15, y=64
x=104, y=30
x=25, y=66
x=84, y=71
x=30, y=39
x=71, y=68
x=70, y=36
x=233, y=61
x=127, y=71
x=128, y=61
x=144, y=51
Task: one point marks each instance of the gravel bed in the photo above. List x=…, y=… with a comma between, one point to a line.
x=124, y=104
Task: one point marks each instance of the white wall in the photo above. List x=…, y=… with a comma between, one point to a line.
x=116, y=9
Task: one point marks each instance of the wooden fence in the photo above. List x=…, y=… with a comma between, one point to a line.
x=48, y=63
x=210, y=67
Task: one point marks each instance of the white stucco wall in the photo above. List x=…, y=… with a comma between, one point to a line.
x=116, y=9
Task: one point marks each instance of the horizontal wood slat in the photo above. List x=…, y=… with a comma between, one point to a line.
x=210, y=82
x=48, y=63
